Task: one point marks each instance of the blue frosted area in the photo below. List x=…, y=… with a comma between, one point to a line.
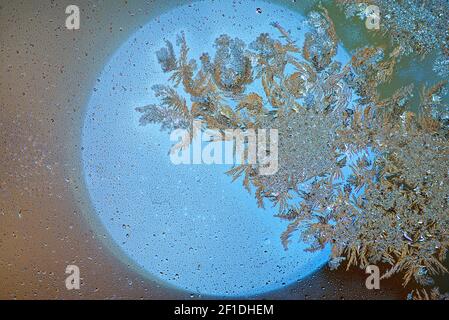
x=186, y=225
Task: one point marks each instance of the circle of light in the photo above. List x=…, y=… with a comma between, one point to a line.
x=188, y=226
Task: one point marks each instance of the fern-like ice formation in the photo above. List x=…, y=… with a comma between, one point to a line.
x=391, y=205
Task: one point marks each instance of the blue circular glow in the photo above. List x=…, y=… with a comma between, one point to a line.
x=188, y=225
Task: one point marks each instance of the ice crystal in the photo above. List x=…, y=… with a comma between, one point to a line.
x=414, y=26
x=391, y=205
x=422, y=294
